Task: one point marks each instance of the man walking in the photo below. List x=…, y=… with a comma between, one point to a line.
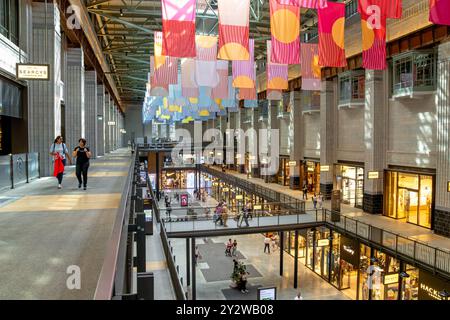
x=267, y=241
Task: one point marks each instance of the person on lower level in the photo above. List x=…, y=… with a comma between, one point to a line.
x=83, y=154
x=267, y=241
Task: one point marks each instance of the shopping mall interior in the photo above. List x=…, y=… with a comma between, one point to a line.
x=225, y=150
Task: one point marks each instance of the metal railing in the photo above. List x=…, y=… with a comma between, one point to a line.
x=110, y=279
x=16, y=169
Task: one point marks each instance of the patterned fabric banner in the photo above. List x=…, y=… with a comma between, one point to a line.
x=244, y=73
x=230, y=102
x=331, y=35
x=285, y=33
x=178, y=24
x=166, y=73
x=274, y=94
x=373, y=41
x=277, y=74
x=160, y=59
x=310, y=68
x=311, y=4
x=440, y=12
x=221, y=90
x=247, y=94
x=234, y=18
x=384, y=8
x=205, y=63
x=250, y=103
x=189, y=87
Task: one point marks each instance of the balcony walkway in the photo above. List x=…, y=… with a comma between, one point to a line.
x=45, y=230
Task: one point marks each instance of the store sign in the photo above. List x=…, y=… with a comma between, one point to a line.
x=323, y=242
x=430, y=286
x=373, y=175
x=27, y=71
x=349, y=250
x=324, y=168
x=257, y=207
x=391, y=278
x=226, y=189
x=269, y=293
x=448, y=186
x=239, y=197
x=111, y=123
x=292, y=163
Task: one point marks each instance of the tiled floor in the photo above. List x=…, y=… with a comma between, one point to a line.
x=398, y=227
x=312, y=286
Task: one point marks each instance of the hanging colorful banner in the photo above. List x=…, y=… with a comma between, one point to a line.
x=160, y=59
x=247, y=94
x=385, y=8
x=178, y=24
x=205, y=62
x=310, y=68
x=167, y=73
x=277, y=74
x=234, y=29
x=244, y=73
x=440, y=12
x=189, y=87
x=274, y=94
x=373, y=41
x=285, y=33
x=221, y=90
x=230, y=101
x=331, y=35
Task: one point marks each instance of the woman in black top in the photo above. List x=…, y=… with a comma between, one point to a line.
x=83, y=154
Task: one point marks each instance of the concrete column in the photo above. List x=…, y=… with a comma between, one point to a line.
x=110, y=127
x=273, y=124
x=75, y=100
x=106, y=120
x=328, y=136
x=90, y=90
x=255, y=172
x=100, y=138
x=44, y=101
x=375, y=128
x=239, y=125
x=442, y=198
x=296, y=138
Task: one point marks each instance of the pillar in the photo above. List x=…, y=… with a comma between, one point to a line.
x=90, y=90
x=44, y=101
x=441, y=223
x=254, y=164
x=375, y=129
x=110, y=127
x=328, y=136
x=273, y=124
x=107, y=119
x=296, y=138
x=100, y=138
x=239, y=125
x=74, y=92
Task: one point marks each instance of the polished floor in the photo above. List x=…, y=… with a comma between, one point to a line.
x=44, y=231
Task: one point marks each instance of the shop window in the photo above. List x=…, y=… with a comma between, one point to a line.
x=414, y=72
x=9, y=20
x=350, y=180
x=247, y=116
x=284, y=106
x=263, y=110
x=310, y=101
x=352, y=88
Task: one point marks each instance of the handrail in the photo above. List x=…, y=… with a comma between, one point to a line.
x=105, y=283
x=20, y=162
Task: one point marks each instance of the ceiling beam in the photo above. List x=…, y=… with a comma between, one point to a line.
x=122, y=21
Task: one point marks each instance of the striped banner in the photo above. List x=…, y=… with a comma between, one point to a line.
x=244, y=73
x=285, y=33
x=205, y=63
x=230, y=101
x=311, y=4
x=178, y=24
x=440, y=12
x=277, y=74
x=189, y=87
x=234, y=19
x=386, y=8
x=310, y=68
x=247, y=94
x=221, y=90
x=166, y=73
x=373, y=41
x=331, y=35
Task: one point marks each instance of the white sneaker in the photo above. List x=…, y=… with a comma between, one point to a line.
x=59, y=186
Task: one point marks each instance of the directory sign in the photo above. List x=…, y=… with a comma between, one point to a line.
x=267, y=293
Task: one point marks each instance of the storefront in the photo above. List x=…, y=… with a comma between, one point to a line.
x=409, y=196
x=284, y=171
x=350, y=180
x=310, y=175
x=289, y=244
x=178, y=179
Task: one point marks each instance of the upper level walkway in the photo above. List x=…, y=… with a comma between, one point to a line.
x=45, y=230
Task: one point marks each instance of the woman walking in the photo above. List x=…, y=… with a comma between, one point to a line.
x=59, y=152
x=83, y=154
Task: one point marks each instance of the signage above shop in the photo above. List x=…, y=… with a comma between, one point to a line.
x=292, y=163
x=431, y=287
x=239, y=197
x=225, y=189
x=257, y=207
x=373, y=175
x=448, y=186
x=323, y=242
x=28, y=71
x=324, y=168
x=111, y=123
x=349, y=250
x=391, y=278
